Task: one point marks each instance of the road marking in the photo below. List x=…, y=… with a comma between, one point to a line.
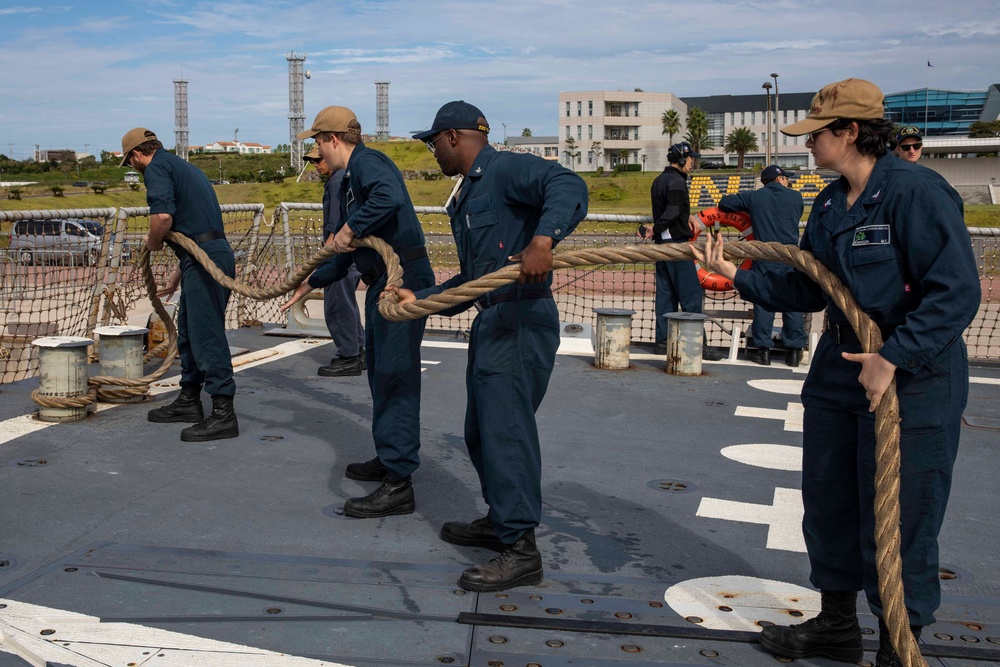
x=783, y=517
x=773, y=457
x=792, y=415
x=749, y=600
x=789, y=387
x=84, y=641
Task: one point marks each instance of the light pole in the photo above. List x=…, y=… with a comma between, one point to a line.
x=644, y=162
x=767, y=122
x=777, y=126
x=504, y=133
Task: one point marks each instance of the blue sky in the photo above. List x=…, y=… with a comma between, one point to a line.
x=79, y=74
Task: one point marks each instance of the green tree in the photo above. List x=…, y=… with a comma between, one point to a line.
x=741, y=141
x=984, y=129
x=57, y=190
x=572, y=151
x=526, y=132
x=598, y=151
x=671, y=123
x=697, y=131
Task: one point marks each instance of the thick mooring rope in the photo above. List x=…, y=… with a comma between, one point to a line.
x=887, y=534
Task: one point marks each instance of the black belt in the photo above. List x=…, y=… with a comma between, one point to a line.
x=518, y=294
x=205, y=237
x=373, y=273
x=843, y=333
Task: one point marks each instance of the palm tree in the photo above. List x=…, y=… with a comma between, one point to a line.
x=697, y=131
x=526, y=132
x=671, y=123
x=741, y=141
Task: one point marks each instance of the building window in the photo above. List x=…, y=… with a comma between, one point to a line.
x=579, y=108
x=567, y=108
x=636, y=128
x=579, y=160
x=590, y=157
x=590, y=131
x=579, y=132
x=636, y=109
x=569, y=130
x=590, y=108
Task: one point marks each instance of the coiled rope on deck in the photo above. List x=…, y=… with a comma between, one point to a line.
x=887, y=457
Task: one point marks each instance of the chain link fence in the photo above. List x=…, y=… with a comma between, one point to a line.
x=85, y=280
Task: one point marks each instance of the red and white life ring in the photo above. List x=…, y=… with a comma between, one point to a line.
x=739, y=221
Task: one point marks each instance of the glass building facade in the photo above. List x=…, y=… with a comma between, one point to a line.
x=941, y=112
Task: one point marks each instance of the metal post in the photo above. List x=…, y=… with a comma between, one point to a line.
x=777, y=116
x=614, y=334
x=685, y=333
x=62, y=369
x=767, y=123
x=121, y=356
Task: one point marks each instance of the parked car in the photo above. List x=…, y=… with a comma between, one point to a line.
x=70, y=240
x=80, y=184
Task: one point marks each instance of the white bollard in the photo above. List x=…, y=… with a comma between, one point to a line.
x=614, y=336
x=121, y=356
x=685, y=332
x=62, y=369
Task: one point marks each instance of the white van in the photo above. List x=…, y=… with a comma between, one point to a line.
x=66, y=241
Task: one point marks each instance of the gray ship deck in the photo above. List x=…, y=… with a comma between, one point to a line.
x=671, y=528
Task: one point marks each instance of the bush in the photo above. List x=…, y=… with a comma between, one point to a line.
x=600, y=171
x=14, y=193
x=99, y=188
x=607, y=192
x=57, y=190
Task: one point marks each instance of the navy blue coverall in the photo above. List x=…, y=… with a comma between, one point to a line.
x=775, y=211
x=178, y=188
x=904, y=252
x=505, y=201
x=676, y=282
x=374, y=201
x=340, y=305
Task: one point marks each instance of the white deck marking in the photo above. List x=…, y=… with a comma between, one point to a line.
x=792, y=415
x=789, y=387
x=16, y=427
x=84, y=641
x=773, y=457
x=783, y=517
x=750, y=600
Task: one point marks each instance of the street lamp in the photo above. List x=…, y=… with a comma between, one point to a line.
x=777, y=126
x=767, y=122
x=644, y=162
x=504, y=133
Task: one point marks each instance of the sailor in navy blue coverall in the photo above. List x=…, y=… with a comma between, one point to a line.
x=894, y=234
x=509, y=207
x=374, y=201
x=775, y=211
x=181, y=199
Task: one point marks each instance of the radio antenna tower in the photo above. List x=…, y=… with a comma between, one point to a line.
x=382, y=111
x=181, y=118
x=296, y=106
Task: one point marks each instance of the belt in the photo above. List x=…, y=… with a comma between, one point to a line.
x=205, y=237
x=408, y=255
x=518, y=294
x=843, y=333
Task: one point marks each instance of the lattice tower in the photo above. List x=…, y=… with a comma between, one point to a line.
x=296, y=106
x=382, y=110
x=181, y=118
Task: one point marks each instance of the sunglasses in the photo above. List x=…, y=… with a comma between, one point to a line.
x=430, y=143
x=911, y=147
x=813, y=135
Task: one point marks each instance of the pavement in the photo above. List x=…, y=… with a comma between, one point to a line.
x=671, y=529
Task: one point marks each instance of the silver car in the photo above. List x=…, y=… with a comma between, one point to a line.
x=64, y=241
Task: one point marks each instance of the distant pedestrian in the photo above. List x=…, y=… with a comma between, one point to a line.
x=909, y=143
x=181, y=199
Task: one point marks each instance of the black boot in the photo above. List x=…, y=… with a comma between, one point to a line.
x=185, y=408
x=479, y=533
x=887, y=656
x=369, y=471
x=834, y=634
x=343, y=367
x=387, y=500
x=793, y=357
x=710, y=353
x=519, y=564
x=759, y=355
x=220, y=424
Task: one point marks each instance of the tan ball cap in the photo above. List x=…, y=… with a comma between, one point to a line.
x=332, y=119
x=133, y=138
x=850, y=98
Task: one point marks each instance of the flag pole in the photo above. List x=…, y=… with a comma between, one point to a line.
x=926, y=94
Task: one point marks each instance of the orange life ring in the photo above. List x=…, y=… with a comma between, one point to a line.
x=737, y=220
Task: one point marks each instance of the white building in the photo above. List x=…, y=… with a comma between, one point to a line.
x=543, y=147
x=244, y=148
x=603, y=124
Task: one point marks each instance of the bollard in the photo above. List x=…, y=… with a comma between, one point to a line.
x=62, y=368
x=614, y=336
x=121, y=356
x=298, y=321
x=685, y=332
